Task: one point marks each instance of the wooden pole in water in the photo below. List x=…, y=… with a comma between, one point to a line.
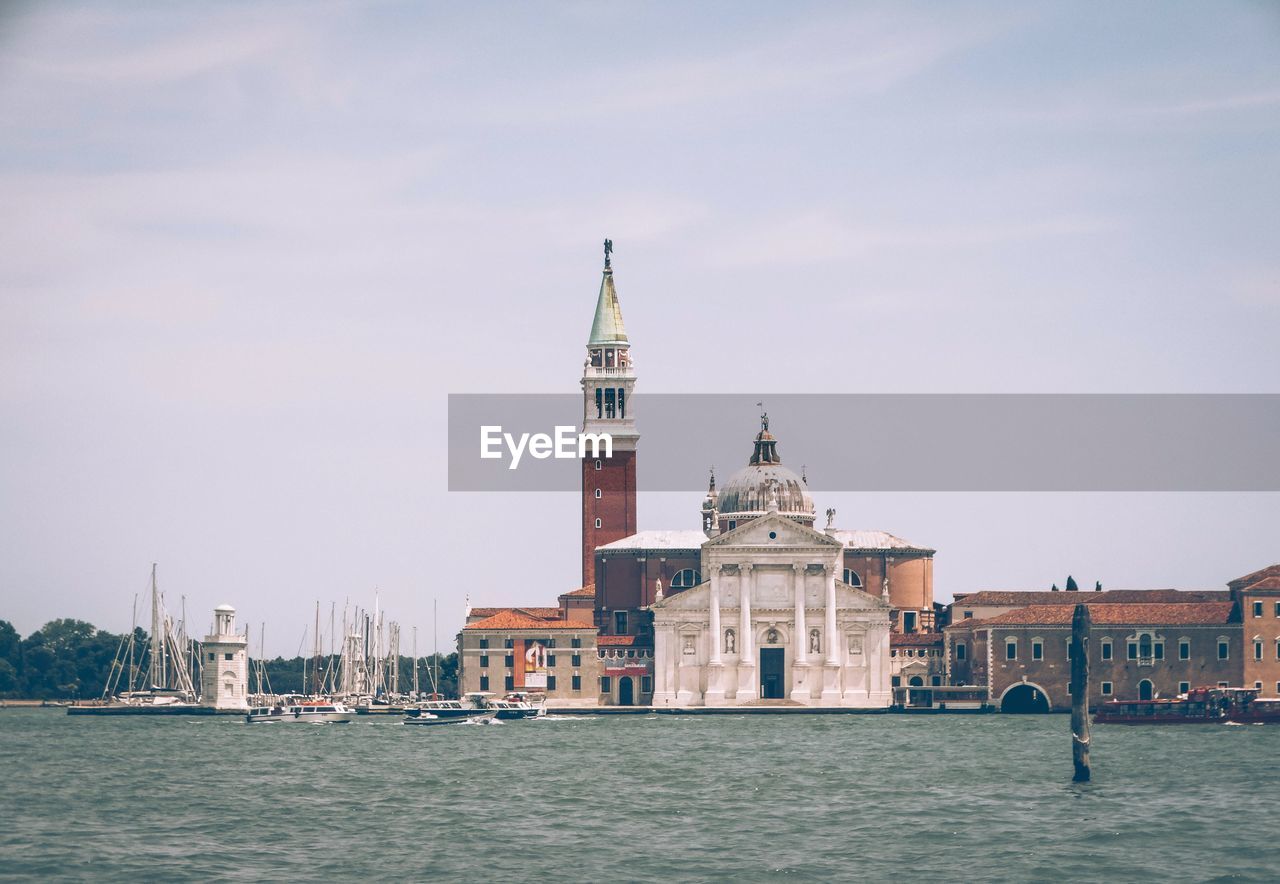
x=1080, y=693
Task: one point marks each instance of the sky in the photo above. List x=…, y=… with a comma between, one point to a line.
x=247, y=250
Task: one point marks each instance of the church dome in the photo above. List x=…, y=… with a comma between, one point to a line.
x=763, y=484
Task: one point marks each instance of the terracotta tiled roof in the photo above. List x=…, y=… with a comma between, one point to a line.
x=585, y=592
x=1002, y=598
x=514, y=618
x=915, y=639
x=536, y=613
x=1266, y=583
x=1199, y=613
x=615, y=641
x=1250, y=579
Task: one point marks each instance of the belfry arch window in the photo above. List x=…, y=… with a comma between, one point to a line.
x=851, y=577
x=598, y=495
x=599, y=404
x=685, y=579
x=599, y=524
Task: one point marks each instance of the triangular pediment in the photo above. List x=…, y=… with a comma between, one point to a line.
x=786, y=533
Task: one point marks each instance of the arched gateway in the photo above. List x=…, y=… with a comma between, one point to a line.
x=1025, y=698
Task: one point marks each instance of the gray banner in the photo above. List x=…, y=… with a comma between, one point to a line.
x=893, y=442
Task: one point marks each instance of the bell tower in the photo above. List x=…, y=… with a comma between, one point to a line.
x=608, y=378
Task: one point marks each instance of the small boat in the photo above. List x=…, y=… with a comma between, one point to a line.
x=450, y=710
x=482, y=717
x=1197, y=706
x=334, y=713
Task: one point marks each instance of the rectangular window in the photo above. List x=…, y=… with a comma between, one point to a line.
x=1257, y=609
x=1011, y=650
x=1184, y=649
x=213, y=657
x=961, y=650
x=1106, y=650
x=484, y=661
x=646, y=684
x=937, y=681
x=1223, y=684
x=908, y=621
x=551, y=660
x=619, y=622
x=968, y=615
x=1257, y=650
x=484, y=682
x=509, y=683
x=1224, y=649
x=606, y=684
x=549, y=642
x=576, y=682
x=551, y=682
x=577, y=660
x=509, y=643
x=224, y=656
x=1133, y=650
x=575, y=642
x=1037, y=650
x=1106, y=689
x=509, y=661
x=1184, y=686
x=484, y=643
x=896, y=681
x=1068, y=649
x=1158, y=647
x=1257, y=686
x=1278, y=649
x=1278, y=609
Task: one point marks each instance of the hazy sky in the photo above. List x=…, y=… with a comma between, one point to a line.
x=247, y=250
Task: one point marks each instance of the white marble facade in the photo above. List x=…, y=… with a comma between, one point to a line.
x=771, y=620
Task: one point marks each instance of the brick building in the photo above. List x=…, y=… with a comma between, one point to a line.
x=1136, y=651
x=1259, y=597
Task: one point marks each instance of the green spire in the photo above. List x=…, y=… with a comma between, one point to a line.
x=607, y=327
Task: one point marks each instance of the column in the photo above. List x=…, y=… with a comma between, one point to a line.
x=748, y=686
x=801, y=652
x=831, y=671
x=717, y=639
x=714, y=695
x=833, y=649
x=801, y=692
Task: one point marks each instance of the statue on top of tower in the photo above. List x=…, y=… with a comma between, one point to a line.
x=608, y=250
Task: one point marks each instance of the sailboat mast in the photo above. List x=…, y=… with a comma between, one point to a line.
x=435, y=643
x=415, y=661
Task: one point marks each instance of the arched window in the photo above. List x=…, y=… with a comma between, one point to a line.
x=851, y=577
x=598, y=494
x=685, y=579
x=599, y=524
x=599, y=466
x=1145, y=690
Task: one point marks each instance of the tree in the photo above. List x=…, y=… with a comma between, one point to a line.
x=1071, y=584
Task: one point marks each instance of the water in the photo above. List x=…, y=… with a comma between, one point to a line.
x=634, y=798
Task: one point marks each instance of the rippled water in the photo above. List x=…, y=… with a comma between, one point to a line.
x=634, y=798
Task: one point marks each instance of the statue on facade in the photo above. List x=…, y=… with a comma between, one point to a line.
x=657, y=591
x=730, y=642
x=831, y=517
x=815, y=642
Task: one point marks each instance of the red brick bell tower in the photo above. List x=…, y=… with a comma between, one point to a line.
x=608, y=377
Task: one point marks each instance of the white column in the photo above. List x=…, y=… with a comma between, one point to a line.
x=801, y=653
x=748, y=684
x=833, y=650
x=717, y=639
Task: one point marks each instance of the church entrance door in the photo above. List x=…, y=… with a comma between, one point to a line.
x=772, y=674
x=625, y=686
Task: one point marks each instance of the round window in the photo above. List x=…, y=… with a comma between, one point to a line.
x=773, y=535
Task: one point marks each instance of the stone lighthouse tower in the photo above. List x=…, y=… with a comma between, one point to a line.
x=608, y=377
x=224, y=682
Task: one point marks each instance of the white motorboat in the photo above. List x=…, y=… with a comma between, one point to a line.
x=333, y=713
x=478, y=717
